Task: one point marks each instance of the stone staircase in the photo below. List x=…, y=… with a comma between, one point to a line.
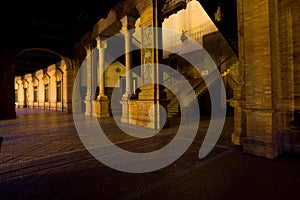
x=173, y=106
x=231, y=75
x=201, y=86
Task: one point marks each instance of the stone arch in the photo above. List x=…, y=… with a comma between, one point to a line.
x=35, y=81
x=46, y=78
x=25, y=83
x=57, y=57
x=58, y=74
x=46, y=84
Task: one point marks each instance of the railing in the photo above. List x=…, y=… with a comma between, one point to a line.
x=206, y=82
x=198, y=32
x=232, y=75
x=195, y=33
x=234, y=71
x=231, y=81
x=202, y=85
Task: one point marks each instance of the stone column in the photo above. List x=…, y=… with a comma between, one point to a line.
x=28, y=77
x=18, y=80
x=127, y=24
x=238, y=102
x=261, y=62
x=69, y=78
x=21, y=93
x=102, y=102
x=88, y=98
x=146, y=111
x=75, y=99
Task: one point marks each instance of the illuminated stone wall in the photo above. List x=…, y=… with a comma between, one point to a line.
x=45, y=89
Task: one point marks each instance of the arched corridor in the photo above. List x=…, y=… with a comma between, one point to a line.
x=172, y=89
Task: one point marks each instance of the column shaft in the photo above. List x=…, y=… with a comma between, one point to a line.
x=127, y=36
x=101, y=71
x=88, y=98
x=102, y=102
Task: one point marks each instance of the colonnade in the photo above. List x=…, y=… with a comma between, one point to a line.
x=45, y=89
x=134, y=110
x=265, y=101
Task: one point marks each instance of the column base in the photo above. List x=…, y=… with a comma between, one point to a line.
x=128, y=96
x=291, y=140
x=264, y=149
x=142, y=113
x=101, y=107
x=237, y=138
x=125, y=108
x=263, y=133
x=88, y=107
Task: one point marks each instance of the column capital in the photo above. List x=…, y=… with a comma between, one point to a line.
x=101, y=42
x=128, y=23
x=88, y=49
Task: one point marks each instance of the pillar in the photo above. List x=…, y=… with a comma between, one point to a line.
x=76, y=98
x=68, y=77
x=127, y=24
x=238, y=102
x=102, y=102
x=88, y=98
x=146, y=110
x=261, y=111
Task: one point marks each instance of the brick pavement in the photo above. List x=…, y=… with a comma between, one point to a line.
x=42, y=157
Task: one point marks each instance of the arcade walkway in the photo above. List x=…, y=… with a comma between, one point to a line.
x=42, y=157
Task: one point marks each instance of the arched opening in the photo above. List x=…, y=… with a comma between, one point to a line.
x=32, y=60
x=40, y=80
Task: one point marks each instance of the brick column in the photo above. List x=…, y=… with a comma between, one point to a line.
x=261, y=63
x=146, y=110
x=238, y=102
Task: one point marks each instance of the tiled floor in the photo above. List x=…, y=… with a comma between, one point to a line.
x=42, y=157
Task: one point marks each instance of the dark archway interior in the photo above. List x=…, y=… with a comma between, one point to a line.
x=53, y=23
x=32, y=60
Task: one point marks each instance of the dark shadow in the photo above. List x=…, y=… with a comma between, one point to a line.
x=1, y=140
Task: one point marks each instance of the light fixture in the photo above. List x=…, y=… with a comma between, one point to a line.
x=183, y=37
x=218, y=14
